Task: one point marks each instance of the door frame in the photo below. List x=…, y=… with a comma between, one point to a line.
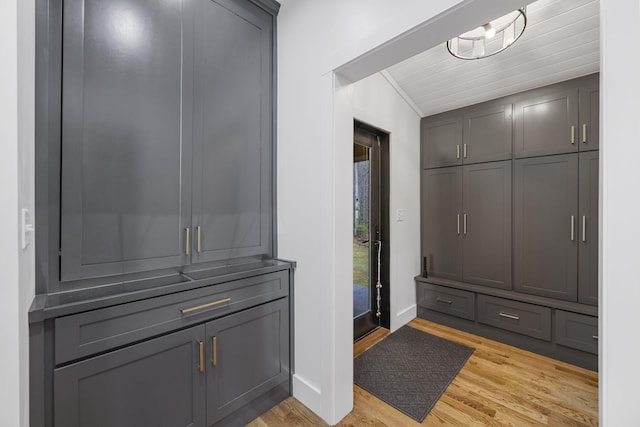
x=361, y=329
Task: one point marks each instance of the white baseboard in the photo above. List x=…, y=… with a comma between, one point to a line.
x=307, y=393
x=403, y=317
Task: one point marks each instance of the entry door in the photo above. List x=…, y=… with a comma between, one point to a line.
x=368, y=244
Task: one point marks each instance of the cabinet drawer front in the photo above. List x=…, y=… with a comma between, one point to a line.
x=523, y=318
x=577, y=331
x=88, y=333
x=447, y=300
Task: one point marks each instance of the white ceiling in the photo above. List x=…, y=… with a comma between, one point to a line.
x=561, y=41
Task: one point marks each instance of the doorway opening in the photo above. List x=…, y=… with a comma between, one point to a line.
x=370, y=229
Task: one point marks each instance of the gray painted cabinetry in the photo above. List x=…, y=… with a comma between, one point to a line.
x=159, y=297
x=510, y=220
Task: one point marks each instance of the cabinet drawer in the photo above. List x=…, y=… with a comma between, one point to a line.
x=577, y=331
x=527, y=319
x=95, y=331
x=447, y=300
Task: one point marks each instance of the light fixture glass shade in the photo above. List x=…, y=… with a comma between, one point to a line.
x=490, y=38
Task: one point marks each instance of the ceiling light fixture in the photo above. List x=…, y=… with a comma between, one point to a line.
x=490, y=38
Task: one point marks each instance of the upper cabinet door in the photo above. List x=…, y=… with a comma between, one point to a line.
x=588, y=222
x=546, y=226
x=487, y=134
x=232, y=160
x=126, y=149
x=442, y=141
x=547, y=124
x=486, y=224
x=442, y=221
x=590, y=114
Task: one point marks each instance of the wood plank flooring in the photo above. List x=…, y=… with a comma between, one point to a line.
x=500, y=385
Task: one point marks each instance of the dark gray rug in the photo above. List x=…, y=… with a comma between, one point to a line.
x=410, y=370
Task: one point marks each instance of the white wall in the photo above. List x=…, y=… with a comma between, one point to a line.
x=376, y=102
x=16, y=191
x=314, y=190
x=619, y=233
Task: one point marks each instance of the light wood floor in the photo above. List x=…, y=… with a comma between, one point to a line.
x=499, y=386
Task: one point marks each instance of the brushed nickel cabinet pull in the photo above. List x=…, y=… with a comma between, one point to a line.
x=458, y=224
x=457, y=151
x=200, y=307
x=584, y=133
x=187, y=240
x=201, y=360
x=573, y=134
x=510, y=316
x=464, y=224
x=573, y=226
x=198, y=239
x=584, y=228
x=444, y=301
x=214, y=344
x=464, y=151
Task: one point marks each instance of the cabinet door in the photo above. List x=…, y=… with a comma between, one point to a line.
x=546, y=226
x=155, y=383
x=487, y=224
x=588, y=221
x=126, y=143
x=590, y=114
x=547, y=124
x=442, y=141
x=487, y=134
x=442, y=221
x=232, y=130
x=249, y=356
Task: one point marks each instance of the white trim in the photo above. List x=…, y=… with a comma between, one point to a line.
x=394, y=84
x=308, y=393
x=405, y=316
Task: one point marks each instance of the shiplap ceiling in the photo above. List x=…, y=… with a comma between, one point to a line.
x=561, y=41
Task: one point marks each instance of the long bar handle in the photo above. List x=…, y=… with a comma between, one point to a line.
x=458, y=224
x=573, y=134
x=584, y=228
x=464, y=224
x=464, y=150
x=573, y=226
x=584, y=133
x=201, y=358
x=457, y=151
x=214, y=344
x=199, y=239
x=444, y=301
x=200, y=307
x=510, y=316
x=187, y=240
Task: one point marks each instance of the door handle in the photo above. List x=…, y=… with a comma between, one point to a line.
x=464, y=151
x=458, y=224
x=573, y=134
x=187, y=240
x=584, y=228
x=201, y=356
x=457, y=151
x=584, y=133
x=573, y=221
x=214, y=345
x=198, y=239
x=464, y=224
x=509, y=316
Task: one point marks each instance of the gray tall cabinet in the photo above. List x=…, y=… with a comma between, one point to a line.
x=159, y=296
x=510, y=220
